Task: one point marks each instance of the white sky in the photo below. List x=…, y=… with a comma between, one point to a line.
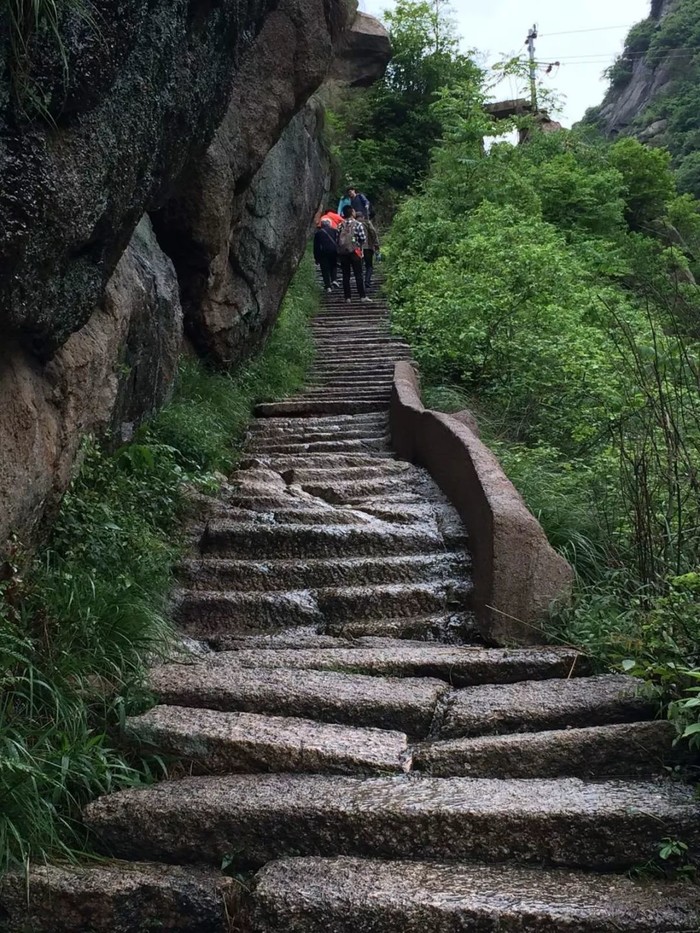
x=500, y=27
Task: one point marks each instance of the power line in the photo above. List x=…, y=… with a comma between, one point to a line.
x=574, y=32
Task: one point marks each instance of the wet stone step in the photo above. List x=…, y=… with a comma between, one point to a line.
x=340, y=406
x=206, y=573
x=329, y=463
x=280, y=513
x=457, y=666
x=404, y=705
x=372, y=467
x=453, y=628
x=298, y=435
x=212, y=741
x=203, y=614
x=601, y=824
x=346, y=895
x=254, y=540
x=624, y=749
x=326, y=423
x=555, y=704
x=117, y=898
x=340, y=445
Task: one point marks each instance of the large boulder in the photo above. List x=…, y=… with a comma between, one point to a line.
x=110, y=374
x=268, y=239
x=146, y=87
x=201, y=227
x=363, y=53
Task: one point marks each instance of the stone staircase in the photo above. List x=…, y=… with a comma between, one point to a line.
x=351, y=748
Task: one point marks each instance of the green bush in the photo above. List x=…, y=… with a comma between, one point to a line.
x=543, y=286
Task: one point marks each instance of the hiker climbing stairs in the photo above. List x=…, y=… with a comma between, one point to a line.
x=346, y=742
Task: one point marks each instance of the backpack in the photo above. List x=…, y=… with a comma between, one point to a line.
x=346, y=238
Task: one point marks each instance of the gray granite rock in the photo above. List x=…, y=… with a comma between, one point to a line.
x=345, y=895
x=546, y=704
x=116, y=897
x=256, y=818
x=404, y=704
x=216, y=742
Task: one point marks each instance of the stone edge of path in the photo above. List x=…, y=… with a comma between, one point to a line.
x=517, y=573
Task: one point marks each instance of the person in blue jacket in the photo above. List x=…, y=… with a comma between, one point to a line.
x=345, y=201
x=359, y=202
x=356, y=200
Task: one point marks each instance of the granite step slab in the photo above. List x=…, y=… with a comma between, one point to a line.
x=531, y=706
x=459, y=666
x=254, y=819
x=621, y=750
x=346, y=895
x=215, y=742
x=261, y=541
x=207, y=573
x=398, y=704
x=117, y=897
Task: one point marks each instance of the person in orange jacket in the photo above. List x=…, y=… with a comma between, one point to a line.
x=334, y=218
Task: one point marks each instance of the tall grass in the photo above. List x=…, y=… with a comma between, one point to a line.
x=80, y=620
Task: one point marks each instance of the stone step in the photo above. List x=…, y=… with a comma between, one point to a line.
x=256, y=818
x=330, y=463
x=206, y=573
x=277, y=511
x=216, y=742
x=347, y=391
x=638, y=748
x=346, y=895
x=255, y=540
x=327, y=369
x=459, y=666
x=340, y=445
x=297, y=510
x=116, y=898
x=453, y=628
x=203, y=614
x=298, y=435
x=354, y=491
x=328, y=423
x=403, y=705
x=330, y=407
x=340, y=379
x=553, y=704
x=373, y=467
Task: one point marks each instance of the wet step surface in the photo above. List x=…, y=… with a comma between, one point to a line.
x=603, y=824
x=336, y=704
x=345, y=895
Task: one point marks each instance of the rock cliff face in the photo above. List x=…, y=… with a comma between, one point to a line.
x=198, y=114
x=117, y=368
x=645, y=81
x=148, y=84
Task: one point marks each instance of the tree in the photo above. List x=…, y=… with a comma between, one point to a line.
x=385, y=136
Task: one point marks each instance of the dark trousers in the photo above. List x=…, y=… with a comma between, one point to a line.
x=348, y=264
x=329, y=267
x=369, y=267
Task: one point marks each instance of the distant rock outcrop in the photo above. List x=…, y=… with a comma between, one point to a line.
x=655, y=70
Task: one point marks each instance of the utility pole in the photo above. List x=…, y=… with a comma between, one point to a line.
x=533, y=67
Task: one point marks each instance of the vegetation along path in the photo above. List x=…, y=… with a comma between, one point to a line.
x=356, y=757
